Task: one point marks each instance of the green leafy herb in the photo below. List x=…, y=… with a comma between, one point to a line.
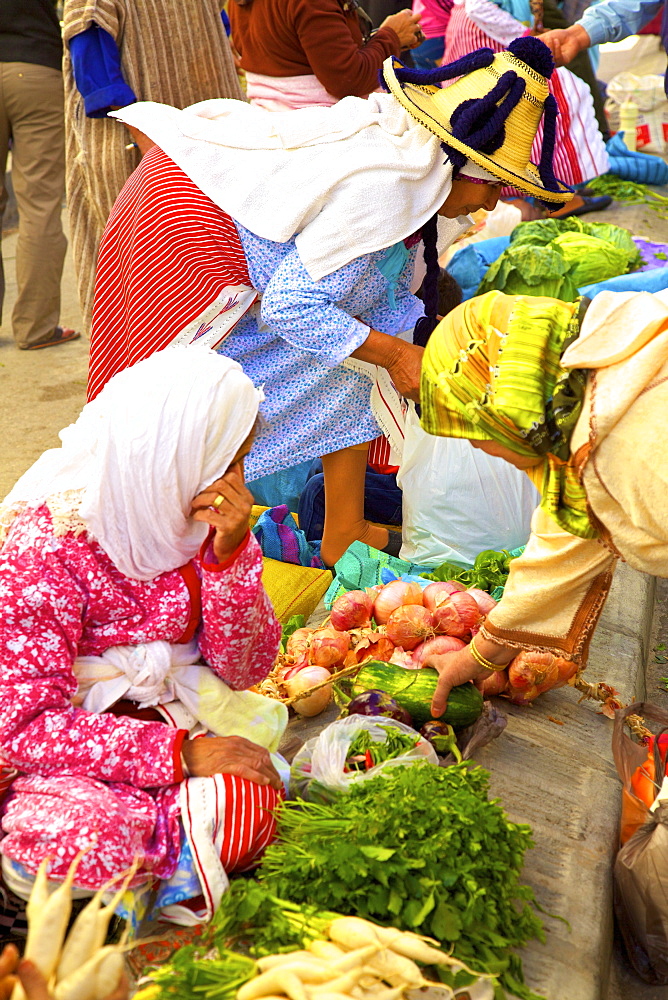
x=190, y=974
x=422, y=848
x=490, y=570
x=630, y=191
x=297, y=621
x=375, y=752
x=252, y=918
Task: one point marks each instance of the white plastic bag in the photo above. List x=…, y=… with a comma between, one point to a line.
x=318, y=768
x=648, y=94
x=458, y=501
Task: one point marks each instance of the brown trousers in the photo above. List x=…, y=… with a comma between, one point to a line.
x=31, y=116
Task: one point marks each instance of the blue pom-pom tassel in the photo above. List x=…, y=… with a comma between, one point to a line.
x=534, y=53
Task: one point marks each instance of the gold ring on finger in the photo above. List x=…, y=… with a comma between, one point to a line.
x=219, y=501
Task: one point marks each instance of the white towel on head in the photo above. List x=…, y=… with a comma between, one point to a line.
x=349, y=180
x=156, y=436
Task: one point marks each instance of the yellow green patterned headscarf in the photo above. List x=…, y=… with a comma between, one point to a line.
x=491, y=371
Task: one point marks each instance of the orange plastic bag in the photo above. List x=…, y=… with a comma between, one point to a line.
x=641, y=866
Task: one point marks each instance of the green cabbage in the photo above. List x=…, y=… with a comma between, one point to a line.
x=530, y=270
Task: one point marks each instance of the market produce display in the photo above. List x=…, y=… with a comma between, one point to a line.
x=554, y=257
x=79, y=966
x=423, y=849
x=301, y=953
x=414, y=689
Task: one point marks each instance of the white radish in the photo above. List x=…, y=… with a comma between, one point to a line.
x=269, y=983
x=353, y=932
x=287, y=958
x=90, y=928
x=395, y=969
x=326, y=950
x=106, y=967
x=48, y=916
x=307, y=972
x=342, y=984
x=353, y=959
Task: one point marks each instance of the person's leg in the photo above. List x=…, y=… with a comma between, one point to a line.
x=344, y=473
x=34, y=99
x=4, y=149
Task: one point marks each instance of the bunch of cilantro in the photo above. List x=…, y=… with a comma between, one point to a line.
x=422, y=848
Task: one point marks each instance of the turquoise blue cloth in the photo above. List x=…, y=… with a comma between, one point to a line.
x=469, y=265
x=639, y=167
x=639, y=281
x=390, y=266
x=520, y=9
x=285, y=486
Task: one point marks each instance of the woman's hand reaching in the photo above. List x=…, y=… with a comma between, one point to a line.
x=405, y=369
x=458, y=668
x=406, y=26
x=209, y=755
x=229, y=515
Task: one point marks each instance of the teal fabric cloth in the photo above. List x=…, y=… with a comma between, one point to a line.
x=519, y=9
x=362, y=566
x=391, y=266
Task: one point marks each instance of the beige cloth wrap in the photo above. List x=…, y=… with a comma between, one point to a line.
x=172, y=51
x=557, y=588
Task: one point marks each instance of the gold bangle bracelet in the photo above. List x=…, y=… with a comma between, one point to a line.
x=480, y=659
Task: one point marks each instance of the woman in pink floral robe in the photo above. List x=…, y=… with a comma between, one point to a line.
x=119, y=539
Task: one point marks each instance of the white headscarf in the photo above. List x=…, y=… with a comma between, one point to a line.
x=348, y=180
x=156, y=436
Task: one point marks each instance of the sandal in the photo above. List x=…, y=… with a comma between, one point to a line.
x=61, y=335
x=582, y=205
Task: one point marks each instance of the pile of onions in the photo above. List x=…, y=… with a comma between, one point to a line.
x=395, y=595
x=329, y=647
x=458, y=615
x=482, y=599
x=409, y=625
x=437, y=593
x=303, y=680
x=352, y=610
x=298, y=643
x=437, y=646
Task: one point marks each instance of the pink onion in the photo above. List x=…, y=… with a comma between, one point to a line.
x=329, y=647
x=457, y=616
x=436, y=646
x=408, y=626
x=567, y=669
x=307, y=678
x=403, y=659
x=495, y=685
x=298, y=643
x=438, y=592
x=532, y=669
x=289, y=671
x=395, y=595
x=517, y=697
x=351, y=610
x=375, y=646
x=482, y=599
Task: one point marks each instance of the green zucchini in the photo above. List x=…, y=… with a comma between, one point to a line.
x=414, y=689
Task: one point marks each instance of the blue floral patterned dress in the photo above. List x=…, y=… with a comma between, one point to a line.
x=295, y=343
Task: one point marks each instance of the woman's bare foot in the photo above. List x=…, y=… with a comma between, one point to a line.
x=334, y=544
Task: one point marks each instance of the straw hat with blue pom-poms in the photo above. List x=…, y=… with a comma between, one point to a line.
x=491, y=114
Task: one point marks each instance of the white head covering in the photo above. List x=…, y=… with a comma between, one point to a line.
x=155, y=437
x=471, y=169
x=346, y=180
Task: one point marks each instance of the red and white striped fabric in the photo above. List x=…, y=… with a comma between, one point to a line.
x=229, y=823
x=171, y=270
x=579, y=151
